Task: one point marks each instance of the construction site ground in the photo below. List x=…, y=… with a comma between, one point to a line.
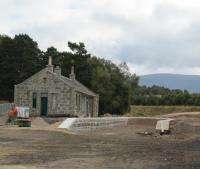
x=136, y=146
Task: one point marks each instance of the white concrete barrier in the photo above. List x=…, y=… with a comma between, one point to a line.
x=163, y=125
x=67, y=123
x=81, y=124
x=87, y=124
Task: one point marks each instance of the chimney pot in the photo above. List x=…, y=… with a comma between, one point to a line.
x=50, y=66
x=50, y=60
x=72, y=74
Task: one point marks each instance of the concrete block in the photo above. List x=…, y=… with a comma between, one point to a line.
x=163, y=125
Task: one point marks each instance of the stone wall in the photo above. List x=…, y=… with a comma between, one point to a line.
x=95, y=106
x=86, y=124
x=45, y=83
x=90, y=124
x=61, y=96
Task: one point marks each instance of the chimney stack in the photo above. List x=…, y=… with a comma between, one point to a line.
x=72, y=74
x=50, y=60
x=50, y=66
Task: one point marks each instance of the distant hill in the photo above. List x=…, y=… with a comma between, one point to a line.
x=172, y=81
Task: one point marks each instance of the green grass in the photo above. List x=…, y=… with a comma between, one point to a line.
x=160, y=110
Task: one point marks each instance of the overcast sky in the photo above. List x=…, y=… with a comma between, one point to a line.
x=152, y=36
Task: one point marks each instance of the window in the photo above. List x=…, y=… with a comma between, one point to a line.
x=78, y=101
x=34, y=102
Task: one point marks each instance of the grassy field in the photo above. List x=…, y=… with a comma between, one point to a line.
x=160, y=110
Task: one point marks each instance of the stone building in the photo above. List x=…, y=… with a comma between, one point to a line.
x=48, y=93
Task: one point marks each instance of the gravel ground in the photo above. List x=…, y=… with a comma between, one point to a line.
x=119, y=148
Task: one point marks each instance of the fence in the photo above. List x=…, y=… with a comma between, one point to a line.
x=4, y=108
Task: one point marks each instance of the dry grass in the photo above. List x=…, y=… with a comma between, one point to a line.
x=161, y=110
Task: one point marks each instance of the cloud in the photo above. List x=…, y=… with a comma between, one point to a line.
x=152, y=36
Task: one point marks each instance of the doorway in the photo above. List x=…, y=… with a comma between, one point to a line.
x=44, y=106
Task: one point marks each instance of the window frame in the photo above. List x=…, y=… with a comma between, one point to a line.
x=34, y=100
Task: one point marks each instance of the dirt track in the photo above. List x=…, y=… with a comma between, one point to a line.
x=114, y=148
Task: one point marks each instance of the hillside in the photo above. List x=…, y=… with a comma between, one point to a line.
x=172, y=81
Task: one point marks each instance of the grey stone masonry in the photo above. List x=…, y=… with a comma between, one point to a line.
x=63, y=96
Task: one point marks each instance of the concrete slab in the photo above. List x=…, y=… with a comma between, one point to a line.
x=67, y=123
x=163, y=125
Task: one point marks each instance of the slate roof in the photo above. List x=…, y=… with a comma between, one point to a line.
x=76, y=84
x=79, y=87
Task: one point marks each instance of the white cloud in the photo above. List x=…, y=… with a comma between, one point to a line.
x=150, y=35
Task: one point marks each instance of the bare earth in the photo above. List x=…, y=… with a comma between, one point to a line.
x=119, y=148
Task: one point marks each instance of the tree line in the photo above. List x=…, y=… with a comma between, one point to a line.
x=157, y=95
x=20, y=57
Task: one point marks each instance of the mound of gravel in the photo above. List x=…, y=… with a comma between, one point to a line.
x=39, y=122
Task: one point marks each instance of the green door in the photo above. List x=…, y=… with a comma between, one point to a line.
x=44, y=106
